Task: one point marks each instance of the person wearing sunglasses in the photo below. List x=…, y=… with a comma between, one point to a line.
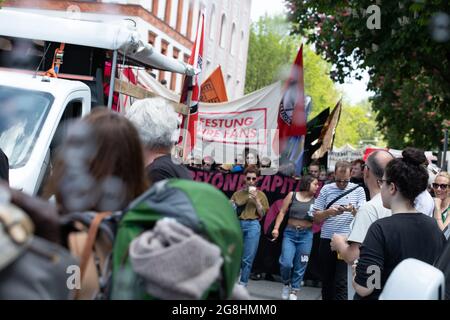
x=335, y=206
x=442, y=199
x=407, y=233
x=251, y=205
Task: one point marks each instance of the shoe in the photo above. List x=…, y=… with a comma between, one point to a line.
x=293, y=295
x=256, y=276
x=285, y=292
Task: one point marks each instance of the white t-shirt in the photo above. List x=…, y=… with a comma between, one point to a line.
x=424, y=203
x=366, y=215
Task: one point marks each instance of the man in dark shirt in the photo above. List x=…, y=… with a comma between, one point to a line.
x=357, y=177
x=164, y=167
x=157, y=122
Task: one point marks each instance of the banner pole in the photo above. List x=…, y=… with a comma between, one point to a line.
x=111, y=81
x=189, y=79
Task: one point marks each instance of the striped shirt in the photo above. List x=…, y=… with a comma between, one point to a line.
x=341, y=223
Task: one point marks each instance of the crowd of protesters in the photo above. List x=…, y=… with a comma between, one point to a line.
x=337, y=224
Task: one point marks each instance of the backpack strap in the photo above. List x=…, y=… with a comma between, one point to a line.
x=341, y=196
x=89, y=245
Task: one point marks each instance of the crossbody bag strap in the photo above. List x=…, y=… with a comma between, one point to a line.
x=341, y=196
x=294, y=192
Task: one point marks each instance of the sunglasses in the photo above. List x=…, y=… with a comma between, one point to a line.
x=251, y=178
x=441, y=186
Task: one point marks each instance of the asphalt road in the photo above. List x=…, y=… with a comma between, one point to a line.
x=270, y=290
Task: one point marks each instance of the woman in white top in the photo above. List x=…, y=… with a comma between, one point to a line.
x=442, y=199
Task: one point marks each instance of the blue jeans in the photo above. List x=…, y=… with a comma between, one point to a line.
x=251, y=230
x=294, y=257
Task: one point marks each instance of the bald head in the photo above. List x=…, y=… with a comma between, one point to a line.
x=377, y=162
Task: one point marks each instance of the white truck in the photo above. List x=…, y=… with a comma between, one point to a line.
x=35, y=112
x=35, y=109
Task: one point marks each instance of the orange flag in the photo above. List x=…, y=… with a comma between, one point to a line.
x=213, y=89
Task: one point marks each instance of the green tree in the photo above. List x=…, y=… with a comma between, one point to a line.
x=271, y=53
x=357, y=126
x=409, y=67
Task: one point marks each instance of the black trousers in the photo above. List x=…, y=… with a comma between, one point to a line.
x=333, y=273
x=313, y=269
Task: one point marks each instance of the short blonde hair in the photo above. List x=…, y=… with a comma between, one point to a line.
x=444, y=174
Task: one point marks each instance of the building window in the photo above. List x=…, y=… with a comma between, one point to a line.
x=233, y=44
x=212, y=23
x=151, y=38
x=222, y=31
x=186, y=58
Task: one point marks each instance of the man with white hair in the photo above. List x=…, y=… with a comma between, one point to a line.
x=157, y=122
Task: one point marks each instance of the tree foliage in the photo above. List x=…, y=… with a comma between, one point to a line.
x=271, y=54
x=272, y=49
x=409, y=69
x=357, y=126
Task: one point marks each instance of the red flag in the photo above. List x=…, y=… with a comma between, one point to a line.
x=190, y=121
x=291, y=115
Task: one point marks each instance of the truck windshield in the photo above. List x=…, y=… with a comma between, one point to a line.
x=22, y=115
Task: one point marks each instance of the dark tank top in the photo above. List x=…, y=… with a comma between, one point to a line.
x=299, y=210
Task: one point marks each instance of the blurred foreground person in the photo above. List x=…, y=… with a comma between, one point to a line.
x=99, y=170
x=4, y=167
x=31, y=268
x=100, y=166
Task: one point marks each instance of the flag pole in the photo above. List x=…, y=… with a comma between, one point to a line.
x=189, y=80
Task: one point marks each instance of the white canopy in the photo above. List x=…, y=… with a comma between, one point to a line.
x=107, y=36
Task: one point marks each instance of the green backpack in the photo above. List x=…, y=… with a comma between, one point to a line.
x=199, y=206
